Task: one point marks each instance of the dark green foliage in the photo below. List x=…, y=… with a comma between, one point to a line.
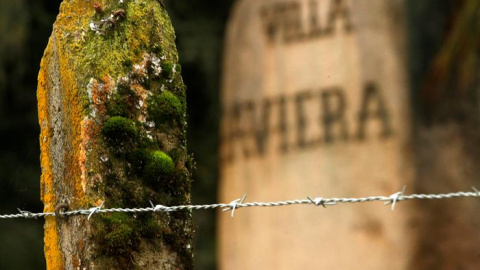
x=157, y=49
x=119, y=238
x=117, y=107
x=178, y=69
x=120, y=131
x=149, y=226
x=177, y=154
x=159, y=168
x=167, y=69
x=118, y=229
x=122, y=102
x=128, y=64
x=137, y=160
x=166, y=108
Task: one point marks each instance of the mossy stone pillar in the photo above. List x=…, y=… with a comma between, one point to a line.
x=112, y=114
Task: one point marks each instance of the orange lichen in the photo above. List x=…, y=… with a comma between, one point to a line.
x=73, y=110
x=54, y=259
x=75, y=115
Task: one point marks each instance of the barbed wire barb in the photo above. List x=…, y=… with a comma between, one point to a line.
x=159, y=207
x=395, y=197
x=235, y=204
x=320, y=201
x=93, y=210
x=26, y=214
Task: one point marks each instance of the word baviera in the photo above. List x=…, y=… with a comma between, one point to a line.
x=307, y=119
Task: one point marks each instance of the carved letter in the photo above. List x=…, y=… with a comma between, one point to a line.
x=293, y=30
x=302, y=141
x=371, y=96
x=332, y=115
x=315, y=27
x=338, y=9
x=271, y=21
x=282, y=127
x=262, y=128
x=238, y=132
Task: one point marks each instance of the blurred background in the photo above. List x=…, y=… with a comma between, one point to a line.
x=444, y=46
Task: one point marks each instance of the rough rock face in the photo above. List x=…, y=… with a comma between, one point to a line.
x=112, y=115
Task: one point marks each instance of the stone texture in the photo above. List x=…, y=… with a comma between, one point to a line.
x=316, y=103
x=101, y=96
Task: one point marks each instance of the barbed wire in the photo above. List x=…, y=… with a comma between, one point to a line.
x=240, y=203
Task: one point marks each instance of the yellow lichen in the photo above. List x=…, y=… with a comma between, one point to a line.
x=74, y=111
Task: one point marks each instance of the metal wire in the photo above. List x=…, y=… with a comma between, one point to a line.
x=240, y=203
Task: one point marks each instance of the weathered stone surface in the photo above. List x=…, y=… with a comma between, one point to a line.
x=112, y=115
x=316, y=103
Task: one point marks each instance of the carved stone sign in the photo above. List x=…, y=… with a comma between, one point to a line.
x=315, y=103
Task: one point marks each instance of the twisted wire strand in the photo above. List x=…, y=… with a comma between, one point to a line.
x=239, y=203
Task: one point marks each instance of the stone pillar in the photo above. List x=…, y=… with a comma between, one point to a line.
x=112, y=115
x=316, y=103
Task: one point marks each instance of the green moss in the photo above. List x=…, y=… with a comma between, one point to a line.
x=159, y=167
x=118, y=235
x=178, y=68
x=167, y=69
x=137, y=160
x=120, y=131
x=146, y=28
x=178, y=154
x=117, y=218
x=122, y=101
x=166, y=108
x=156, y=49
x=146, y=142
x=117, y=107
x=119, y=238
x=191, y=164
x=128, y=63
x=180, y=91
x=149, y=227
